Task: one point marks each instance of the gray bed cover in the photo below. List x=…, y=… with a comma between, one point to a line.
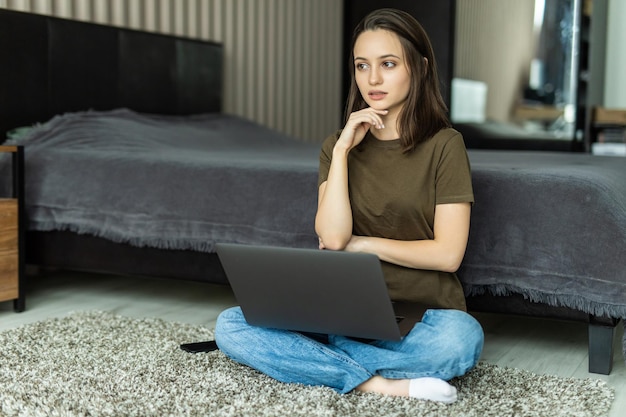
x=170, y=182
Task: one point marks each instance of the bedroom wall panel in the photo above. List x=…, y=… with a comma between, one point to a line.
x=15, y=99
x=69, y=84
x=282, y=60
x=190, y=78
x=137, y=50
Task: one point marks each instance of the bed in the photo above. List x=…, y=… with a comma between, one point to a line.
x=132, y=168
x=70, y=77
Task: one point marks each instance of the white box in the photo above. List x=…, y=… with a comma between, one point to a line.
x=610, y=149
x=469, y=100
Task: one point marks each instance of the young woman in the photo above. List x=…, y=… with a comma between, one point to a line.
x=395, y=182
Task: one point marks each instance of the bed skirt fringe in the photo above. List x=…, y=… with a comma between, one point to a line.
x=556, y=300
x=198, y=245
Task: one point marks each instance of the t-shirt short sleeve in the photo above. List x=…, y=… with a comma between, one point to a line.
x=453, y=183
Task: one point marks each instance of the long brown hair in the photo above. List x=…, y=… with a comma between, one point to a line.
x=425, y=112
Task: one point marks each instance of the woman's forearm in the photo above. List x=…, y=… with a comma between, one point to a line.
x=443, y=253
x=419, y=254
x=333, y=222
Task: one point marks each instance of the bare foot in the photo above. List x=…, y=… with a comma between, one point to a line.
x=380, y=385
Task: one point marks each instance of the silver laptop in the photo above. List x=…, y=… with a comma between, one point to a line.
x=316, y=291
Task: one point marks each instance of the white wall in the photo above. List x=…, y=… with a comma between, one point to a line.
x=615, y=70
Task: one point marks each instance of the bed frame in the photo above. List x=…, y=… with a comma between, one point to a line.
x=60, y=66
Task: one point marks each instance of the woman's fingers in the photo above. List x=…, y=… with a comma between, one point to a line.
x=370, y=116
x=359, y=123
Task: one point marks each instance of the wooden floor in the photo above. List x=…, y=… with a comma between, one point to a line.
x=537, y=345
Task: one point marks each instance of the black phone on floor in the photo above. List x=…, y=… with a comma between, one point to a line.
x=197, y=347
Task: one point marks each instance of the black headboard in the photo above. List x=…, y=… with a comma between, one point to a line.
x=52, y=65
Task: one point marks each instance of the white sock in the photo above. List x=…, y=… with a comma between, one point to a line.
x=433, y=389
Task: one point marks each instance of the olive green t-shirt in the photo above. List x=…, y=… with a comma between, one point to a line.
x=393, y=195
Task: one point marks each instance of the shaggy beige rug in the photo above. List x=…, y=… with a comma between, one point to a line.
x=101, y=364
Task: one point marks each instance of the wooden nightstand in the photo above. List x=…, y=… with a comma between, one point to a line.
x=12, y=234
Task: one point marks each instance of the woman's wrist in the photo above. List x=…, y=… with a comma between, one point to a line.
x=340, y=151
x=358, y=244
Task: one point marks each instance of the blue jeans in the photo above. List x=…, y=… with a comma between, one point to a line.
x=445, y=344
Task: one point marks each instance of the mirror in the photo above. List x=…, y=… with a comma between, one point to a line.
x=516, y=65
